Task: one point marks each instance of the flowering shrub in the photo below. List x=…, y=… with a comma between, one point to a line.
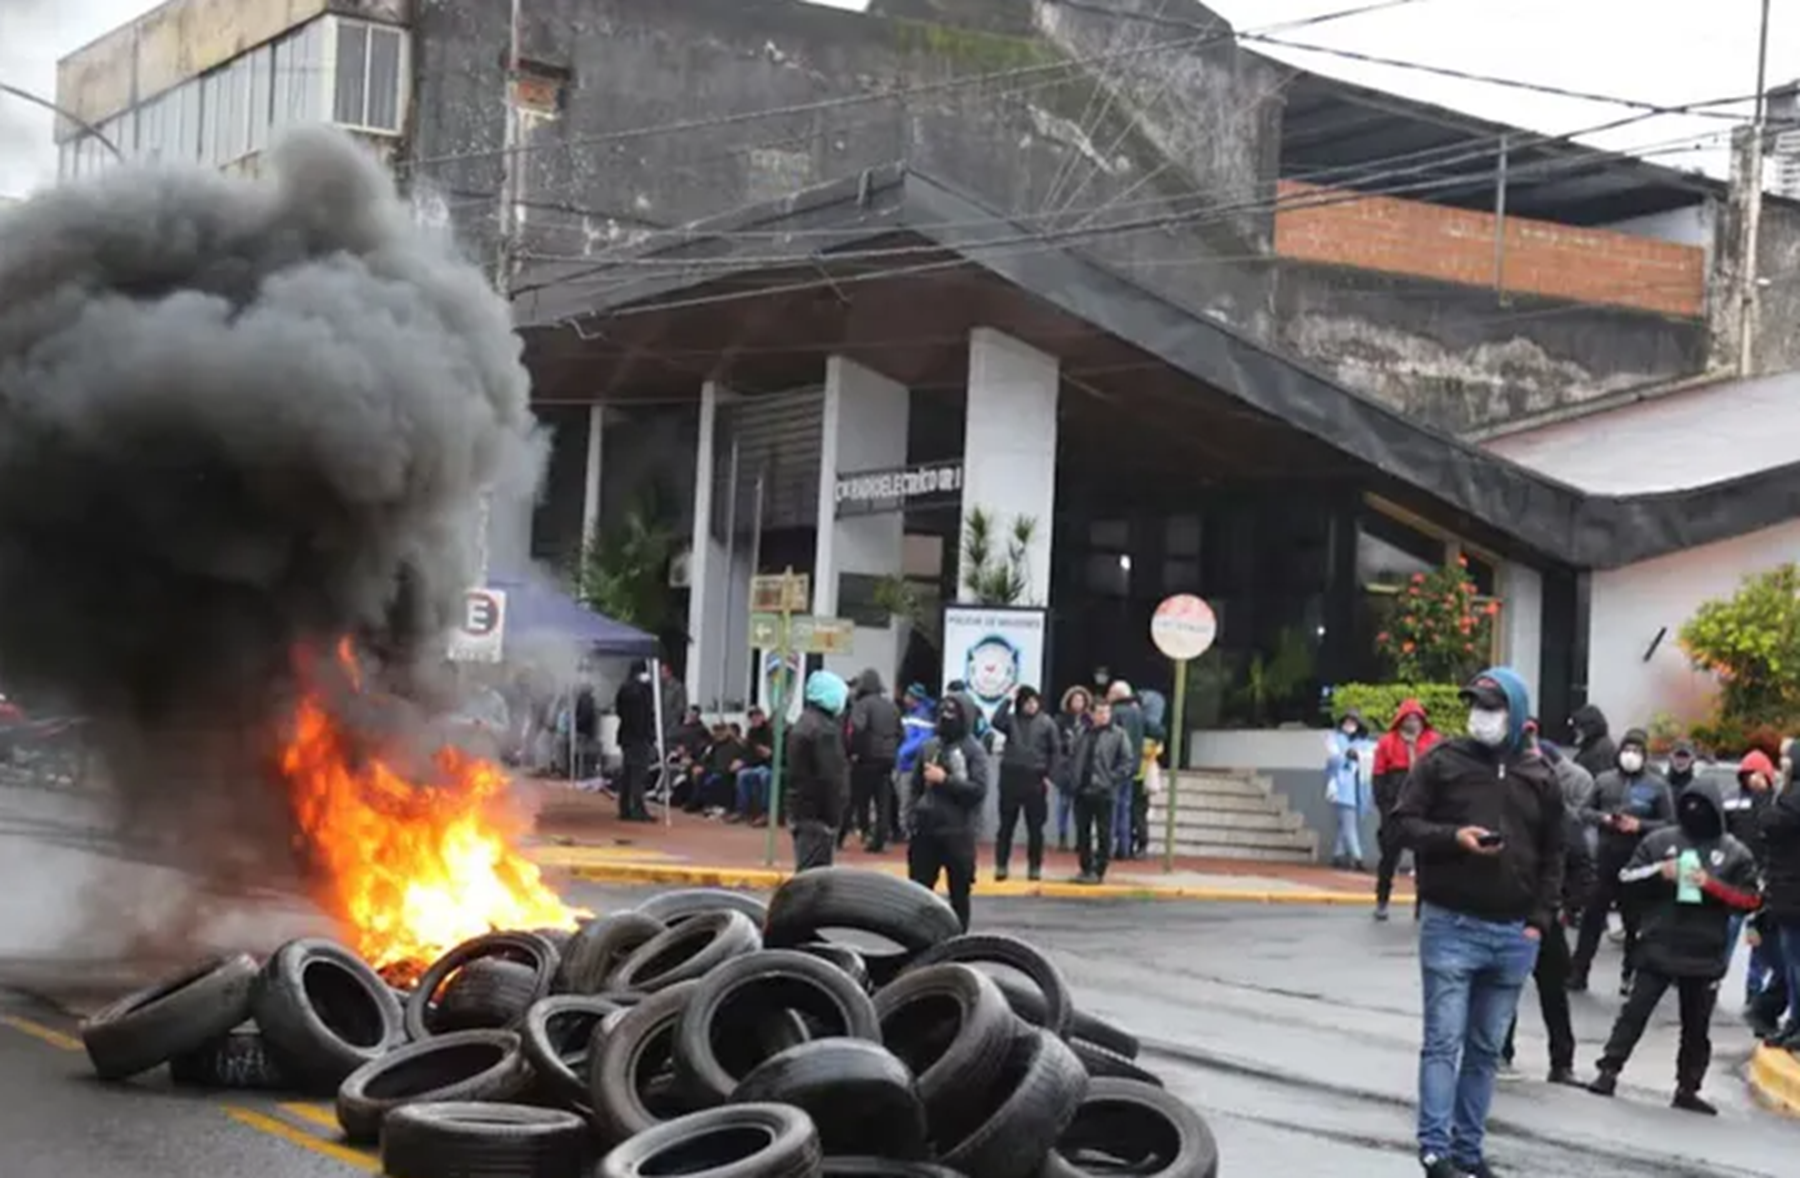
x=1438, y=632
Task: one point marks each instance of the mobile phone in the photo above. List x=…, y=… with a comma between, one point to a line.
x=1491, y=840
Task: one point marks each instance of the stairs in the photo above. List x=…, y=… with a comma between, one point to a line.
x=1225, y=814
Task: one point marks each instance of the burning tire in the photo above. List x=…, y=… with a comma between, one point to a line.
x=524, y=948
x=238, y=1060
x=631, y=1080
x=443, y=1140
x=724, y=1032
x=859, y=1095
x=1028, y=1003
x=689, y=950
x=559, y=1034
x=1123, y=1127
x=595, y=953
x=736, y=1141
x=324, y=1012
x=1054, y=1003
x=465, y=1066
x=1099, y=1062
x=172, y=1018
x=950, y=1025
x=1034, y=1099
x=674, y=907
x=897, y=910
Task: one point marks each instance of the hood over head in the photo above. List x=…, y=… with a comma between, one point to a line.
x=1353, y=716
x=953, y=717
x=1755, y=761
x=1699, y=811
x=828, y=692
x=1119, y=692
x=1155, y=706
x=869, y=683
x=1634, y=738
x=1087, y=697
x=1590, y=720
x=1501, y=687
x=1409, y=707
x=1025, y=695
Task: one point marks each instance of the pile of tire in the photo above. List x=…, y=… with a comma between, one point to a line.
x=703, y=1033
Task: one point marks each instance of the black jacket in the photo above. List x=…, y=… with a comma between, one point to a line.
x=818, y=771
x=874, y=721
x=1101, y=761
x=1691, y=940
x=1780, y=829
x=951, y=808
x=1645, y=797
x=1596, y=753
x=760, y=736
x=1578, y=864
x=636, y=709
x=1462, y=783
x=1032, y=742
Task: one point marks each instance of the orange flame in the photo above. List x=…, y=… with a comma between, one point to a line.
x=409, y=868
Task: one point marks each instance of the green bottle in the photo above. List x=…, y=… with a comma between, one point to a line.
x=1687, y=866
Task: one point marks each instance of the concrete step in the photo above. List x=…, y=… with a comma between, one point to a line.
x=1236, y=836
x=1189, y=797
x=1228, y=851
x=1243, y=785
x=1264, y=819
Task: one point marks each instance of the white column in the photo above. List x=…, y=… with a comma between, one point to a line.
x=1009, y=445
x=864, y=425
x=1521, y=590
x=701, y=571
x=590, y=486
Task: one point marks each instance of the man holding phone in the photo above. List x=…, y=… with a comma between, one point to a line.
x=1484, y=817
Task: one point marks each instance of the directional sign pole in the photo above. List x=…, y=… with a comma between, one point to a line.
x=782, y=654
x=1181, y=670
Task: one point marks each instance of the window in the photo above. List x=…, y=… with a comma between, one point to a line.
x=298, y=84
x=369, y=77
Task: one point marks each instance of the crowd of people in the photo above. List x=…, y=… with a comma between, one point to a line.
x=1517, y=840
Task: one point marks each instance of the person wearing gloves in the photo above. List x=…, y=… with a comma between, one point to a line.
x=1348, y=757
x=1408, y=738
x=1690, y=879
x=818, y=771
x=1027, y=766
x=950, y=782
x=1484, y=818
x=1100, y=763
x=1629, y=804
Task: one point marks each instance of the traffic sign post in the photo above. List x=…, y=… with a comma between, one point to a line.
x=1183, y=628
x=776, y=599
x=480, y=636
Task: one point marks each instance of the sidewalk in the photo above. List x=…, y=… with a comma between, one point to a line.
x=581, y=834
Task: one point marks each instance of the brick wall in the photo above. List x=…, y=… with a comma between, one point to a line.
x=1457, y=245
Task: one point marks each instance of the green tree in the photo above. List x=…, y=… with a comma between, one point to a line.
x=1437, y=630
x=1750, y=643
x=995, y=568
x=624, y=569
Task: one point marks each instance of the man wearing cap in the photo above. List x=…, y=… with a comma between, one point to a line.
x=1484, y=817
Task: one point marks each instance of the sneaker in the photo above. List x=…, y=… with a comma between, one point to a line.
x=1577, y=985
x=1035, y=875
x=1690, y=1102
x=1565, y=1076
x=1605, y=1084
x=1000, y=875
x=1439, y=1167
x=1478, y=1170
x=1381, y=913
x=1505, y=1072
x=1625, y=985
x=1085, y=879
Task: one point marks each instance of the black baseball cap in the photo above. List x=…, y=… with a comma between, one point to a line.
x=1484, y=691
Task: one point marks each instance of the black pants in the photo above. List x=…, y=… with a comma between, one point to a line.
x=1607, y=891
x=1552, y=979
x=1021, y=790
x=1093, y=832
x=1697, y=996
x=871, y=781
x=896, y=808
x=1140, y=819
x=933, y=852
x=634, y=778
x=1387, y=836
x=814, y=843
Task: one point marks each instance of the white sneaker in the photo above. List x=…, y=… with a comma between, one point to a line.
x=1506, y=1072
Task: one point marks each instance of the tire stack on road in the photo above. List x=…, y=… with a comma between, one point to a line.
x=700, y=1034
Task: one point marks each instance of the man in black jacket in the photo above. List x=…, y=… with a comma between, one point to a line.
x=1765, y=983
x=818, y=771
x=635, y=707
x=1484, y=818
x=874, y=743
x=950, y=782
x=1027, y=764
x=1690, y=879
x=1594, y=749
x=1779, y=825
x=1629, y=803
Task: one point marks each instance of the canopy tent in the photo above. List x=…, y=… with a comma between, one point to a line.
x=538, y=609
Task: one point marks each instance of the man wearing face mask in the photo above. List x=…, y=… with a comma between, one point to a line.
x=1484, y=816
x=950, y=783
x=1628, y=804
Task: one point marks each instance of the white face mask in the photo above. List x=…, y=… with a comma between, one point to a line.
x=644, y=678
x=1488, y=725
x=1631, y=762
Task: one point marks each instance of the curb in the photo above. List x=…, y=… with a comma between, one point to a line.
x=762, y=879
x=1775, y=1080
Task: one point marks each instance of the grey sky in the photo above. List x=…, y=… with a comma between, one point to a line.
x=1667, y=52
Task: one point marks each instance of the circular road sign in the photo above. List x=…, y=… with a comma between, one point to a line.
x=481, y=614
x=1183, y=627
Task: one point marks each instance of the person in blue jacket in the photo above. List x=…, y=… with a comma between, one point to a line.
x=1348, y=760
x=918, y=720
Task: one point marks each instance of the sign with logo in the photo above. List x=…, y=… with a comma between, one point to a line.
x=480, y=634
x=873, y=492
x=995, y=650
x=806, y=634
x=1183, y=627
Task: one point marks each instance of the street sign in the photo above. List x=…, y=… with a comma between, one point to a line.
x=806, y=634
x=480, y=635
x=1183, y=627
x=780, y=593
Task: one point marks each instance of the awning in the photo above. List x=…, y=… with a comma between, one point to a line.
x=541, y=610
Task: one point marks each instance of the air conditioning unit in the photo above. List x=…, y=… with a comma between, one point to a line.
x=681, y=571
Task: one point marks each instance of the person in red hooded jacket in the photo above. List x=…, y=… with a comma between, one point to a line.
x=1405, y=741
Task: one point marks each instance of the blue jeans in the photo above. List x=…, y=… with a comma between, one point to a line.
x=753, y=790
x=1065, y=813
x=1473, y=970
x=1121, y=820
x=1788, y=952
x=1349, y=833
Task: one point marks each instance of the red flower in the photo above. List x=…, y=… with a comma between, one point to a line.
x=1492, y=609
x=1418, y=578
x=1462, y=561
x=1406, y=648
x=1382, y=637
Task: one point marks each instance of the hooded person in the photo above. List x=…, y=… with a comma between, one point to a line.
x=1409, y=737
x=1027, y=766
x=818, y=771
x=918, y=720
x=635, y=706
x=1628, y=804
x=1348, y=755
x=949, y=785
x=1594, y=749
x=1484, y=818
x=1779, y=826
x=875, y=731
x=1071, y=719
x=1689, y=880
x=1765, y=990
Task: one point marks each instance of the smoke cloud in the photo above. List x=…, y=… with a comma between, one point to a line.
x=236, y=419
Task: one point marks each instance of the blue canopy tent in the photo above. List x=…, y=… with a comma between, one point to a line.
x=533, y=608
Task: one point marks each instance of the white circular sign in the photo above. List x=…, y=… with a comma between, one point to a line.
x=1184, y=627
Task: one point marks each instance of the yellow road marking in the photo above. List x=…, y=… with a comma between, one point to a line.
x=39, y=1031
x=353, y=1158
x=318, y=1114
